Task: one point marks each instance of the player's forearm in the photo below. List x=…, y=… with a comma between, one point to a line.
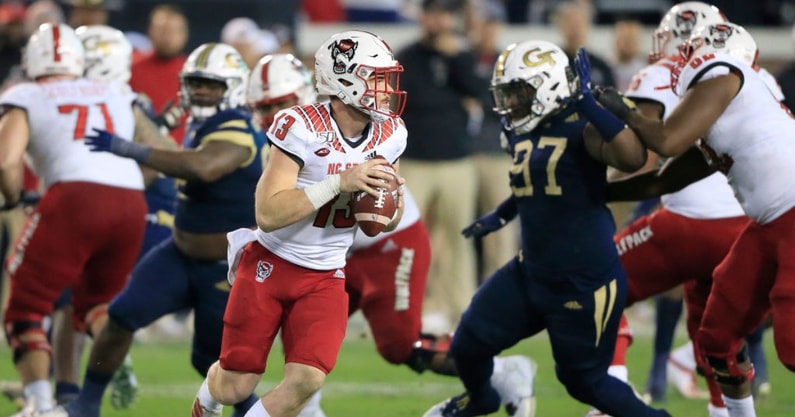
x=282, y=209
x=508, y=209
x=625, y=152
x=187, y=164
x=11, y=176
x=677, y=174
x=652, y=133
x=635, y=188
x=147, y=133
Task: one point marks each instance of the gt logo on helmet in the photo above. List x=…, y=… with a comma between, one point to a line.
x=342, y=53
x=542, y=58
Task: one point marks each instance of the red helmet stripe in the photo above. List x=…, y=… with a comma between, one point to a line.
x=56, y=40
x=264, y=75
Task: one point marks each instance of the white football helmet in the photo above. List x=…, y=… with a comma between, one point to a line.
x=531, y=80
x=678, y=24
x=219, y=62
x=53, y=50
x=277, y=79
x=728, y=38
x=108, y=53
x=345, y=63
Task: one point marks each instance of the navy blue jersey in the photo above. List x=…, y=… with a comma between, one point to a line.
x=561, y=192
x=161, y=202
x=227, y=203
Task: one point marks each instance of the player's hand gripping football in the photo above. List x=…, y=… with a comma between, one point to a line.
x=104, y=141
x=490, y=222
x=366, y=177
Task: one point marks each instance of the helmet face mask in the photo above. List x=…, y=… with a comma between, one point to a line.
x=360, y=69
x=677, y=26
x=53, y=50
x=108, y=53
x=532, y=80
x=210, y=62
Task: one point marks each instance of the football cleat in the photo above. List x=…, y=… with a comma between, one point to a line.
x=198, y=410
x=54, y=412
x=14, y=392
x=123, y=386
x=684, y=380
x=514, y=383
x=312, y=408
x=451, y=407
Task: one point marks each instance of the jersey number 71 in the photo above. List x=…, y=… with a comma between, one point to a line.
x=82, y=117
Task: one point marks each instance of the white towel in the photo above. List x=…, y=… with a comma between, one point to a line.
x=238, y=239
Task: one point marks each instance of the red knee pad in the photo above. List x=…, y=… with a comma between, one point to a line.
x=26, y=336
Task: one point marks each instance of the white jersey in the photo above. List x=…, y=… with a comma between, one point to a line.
x=709, y=198
x=755, y=133
x=411, y=215
x=309, y=135
x=60, y=114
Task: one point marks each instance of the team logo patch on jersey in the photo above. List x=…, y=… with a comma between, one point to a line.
x=264, y=270
x=573, y=305
x=342, y=53
x=322, y=152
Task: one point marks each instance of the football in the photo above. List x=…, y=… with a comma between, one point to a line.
x=373, y=214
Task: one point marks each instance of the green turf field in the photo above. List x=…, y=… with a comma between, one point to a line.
x=363, y=385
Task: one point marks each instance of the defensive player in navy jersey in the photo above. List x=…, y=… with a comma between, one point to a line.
x=218, y=170
x=567, y=278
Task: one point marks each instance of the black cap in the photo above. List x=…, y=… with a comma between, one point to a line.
x=446, y=5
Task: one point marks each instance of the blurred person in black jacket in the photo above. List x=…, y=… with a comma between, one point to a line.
x=574, y=23
x=493, y=163
x=438, y=163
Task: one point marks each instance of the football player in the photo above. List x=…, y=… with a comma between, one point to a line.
x=289, y=274
x=385, y=274
x=730, y=114
x=86, y=231
x=567, y=278
x=218, y=168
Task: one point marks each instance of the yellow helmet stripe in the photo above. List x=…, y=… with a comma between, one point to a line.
x=499, y=69
x=204, y=56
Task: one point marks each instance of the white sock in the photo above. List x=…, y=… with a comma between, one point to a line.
x=257, y=410
x=684, y=356
x=206, y=399
x=499, y=365
x=39, y=393
x=619, y=372
x=717, y=411
x=740, y=408
x=312, y=407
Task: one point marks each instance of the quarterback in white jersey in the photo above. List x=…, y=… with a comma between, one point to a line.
x=747, y=134
x=293, y=276
x=86, y=231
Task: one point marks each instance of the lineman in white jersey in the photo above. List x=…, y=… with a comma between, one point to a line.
x=747, y=134
x=320, y=154
x=693, y=231
x=86, y=231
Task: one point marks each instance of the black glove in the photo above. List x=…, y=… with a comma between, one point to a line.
x=613, y=101
x=171, y=116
